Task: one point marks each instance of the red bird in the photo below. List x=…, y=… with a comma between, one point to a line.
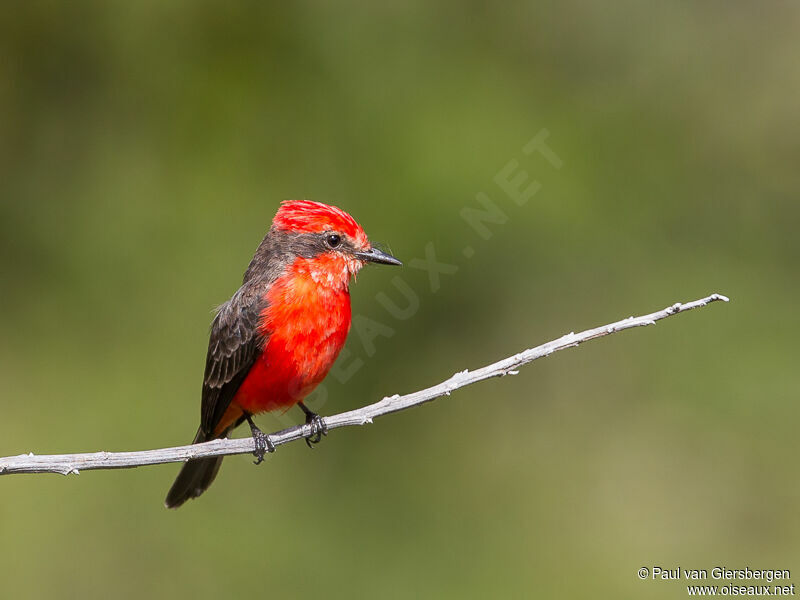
x=278, y=336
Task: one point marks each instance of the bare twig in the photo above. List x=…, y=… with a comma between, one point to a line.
x=66, y=464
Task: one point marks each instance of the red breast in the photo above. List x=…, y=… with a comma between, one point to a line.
x=305, y=323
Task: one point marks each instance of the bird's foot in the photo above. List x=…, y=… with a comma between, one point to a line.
x=318, y=426
x=318, y=429
x=262, y=442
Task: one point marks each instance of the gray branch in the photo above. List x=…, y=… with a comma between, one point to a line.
x=66, y=464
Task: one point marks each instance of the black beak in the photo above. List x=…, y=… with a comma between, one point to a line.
x=378, y=256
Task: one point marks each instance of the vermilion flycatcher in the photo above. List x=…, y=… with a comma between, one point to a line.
x=278, y=336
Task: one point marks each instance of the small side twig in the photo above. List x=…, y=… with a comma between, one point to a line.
x=66, y=464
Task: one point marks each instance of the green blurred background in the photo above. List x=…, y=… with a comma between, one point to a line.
x=144, y=148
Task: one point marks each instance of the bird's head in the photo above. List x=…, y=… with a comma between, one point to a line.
x=331, y=241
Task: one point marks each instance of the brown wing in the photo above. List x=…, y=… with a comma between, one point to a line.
x=233, y=347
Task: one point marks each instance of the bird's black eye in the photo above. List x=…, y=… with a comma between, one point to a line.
x=333, y=239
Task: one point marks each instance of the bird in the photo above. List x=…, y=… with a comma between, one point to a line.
x=277, y=337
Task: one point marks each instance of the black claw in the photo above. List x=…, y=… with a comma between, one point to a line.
x=318, y=429
x=318, y=426
x=262, y=442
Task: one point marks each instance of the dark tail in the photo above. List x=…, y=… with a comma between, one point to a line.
x=195, y=476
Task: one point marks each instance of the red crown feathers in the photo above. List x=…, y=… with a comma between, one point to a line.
x=305, y=216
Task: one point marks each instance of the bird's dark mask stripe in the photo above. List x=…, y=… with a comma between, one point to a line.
x=310, y=245
x=280, y=248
